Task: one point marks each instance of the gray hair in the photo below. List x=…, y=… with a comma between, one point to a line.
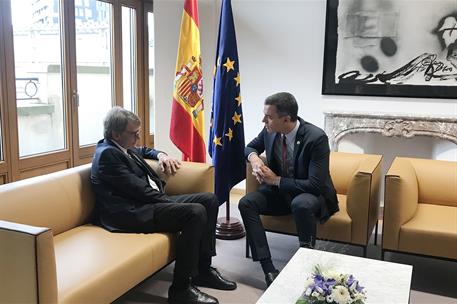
x=117, y=119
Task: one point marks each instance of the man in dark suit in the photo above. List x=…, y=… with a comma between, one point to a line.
x=130, y=198
x=295, y=180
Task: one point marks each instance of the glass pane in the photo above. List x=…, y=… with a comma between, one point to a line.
x=37, y=59
x=128, y=57
x=151, y=73
x=94, y=70
x=1, y=136
x=1, y=120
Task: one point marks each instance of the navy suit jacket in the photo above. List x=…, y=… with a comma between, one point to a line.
x=121, y=187
x=311, y=164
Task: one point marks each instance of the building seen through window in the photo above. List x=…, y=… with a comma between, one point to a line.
x=60, y=78
x=37, y=61
x=39, y=81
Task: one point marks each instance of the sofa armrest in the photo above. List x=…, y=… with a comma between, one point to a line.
x=400, y=200
x=251, y=182
x=190, y=178
x=363, y=198
x=27, y=264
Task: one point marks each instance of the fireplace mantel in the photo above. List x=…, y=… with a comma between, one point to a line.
x=340, y=124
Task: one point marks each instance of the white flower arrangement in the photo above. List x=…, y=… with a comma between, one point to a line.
x=330, y=287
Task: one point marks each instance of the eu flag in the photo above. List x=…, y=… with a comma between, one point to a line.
x=226, y=140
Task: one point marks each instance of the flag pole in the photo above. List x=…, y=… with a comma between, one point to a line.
x=226, y=142
x=229, y=228
x=227, y=209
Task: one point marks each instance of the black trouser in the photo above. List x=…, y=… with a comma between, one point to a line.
x=194, y=215
x=269, y=201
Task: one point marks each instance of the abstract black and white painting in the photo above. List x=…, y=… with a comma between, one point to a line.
x=391, y=48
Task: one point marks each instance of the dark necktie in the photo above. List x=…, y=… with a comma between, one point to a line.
x=285, y=168
x=146, y=169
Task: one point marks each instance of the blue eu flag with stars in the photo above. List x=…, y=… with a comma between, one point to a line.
x=226, y=139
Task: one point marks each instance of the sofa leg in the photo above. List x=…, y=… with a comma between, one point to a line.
x=247, y=247
x=382, y=255
x=376, y=233
x=365, y=251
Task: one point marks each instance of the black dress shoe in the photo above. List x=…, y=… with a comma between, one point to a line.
x=213, y=279
x=270, y=277
x=189, y=295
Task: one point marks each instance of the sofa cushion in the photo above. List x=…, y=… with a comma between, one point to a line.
x=343, y=166
x=432, y=231
x=93, y=265
x=338, y=227
x=61, y=200
x=437, y=181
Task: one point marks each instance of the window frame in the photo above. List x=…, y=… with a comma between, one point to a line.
x=13, y=167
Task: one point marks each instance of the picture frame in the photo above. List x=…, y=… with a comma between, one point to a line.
x=402, y=48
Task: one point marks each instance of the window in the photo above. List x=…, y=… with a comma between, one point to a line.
x=2, y=158
x=94, y=75
x=151, y=72
x=128, y=58
x=58, y=80
x=37, y=61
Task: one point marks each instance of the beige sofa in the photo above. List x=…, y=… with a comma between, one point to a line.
x=356, y=178
x=420, y=208
x=49, y=252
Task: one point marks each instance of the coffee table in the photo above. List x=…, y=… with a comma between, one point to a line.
x=385, y=282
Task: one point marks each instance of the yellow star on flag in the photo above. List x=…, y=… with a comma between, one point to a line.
x=238, y=99
x=236, y=118
x=229, y=134
x=217, y=141
x=237, y=79
x=229, y=64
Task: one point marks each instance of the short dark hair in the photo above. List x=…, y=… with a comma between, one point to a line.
x=117, y=119
x=285, y=104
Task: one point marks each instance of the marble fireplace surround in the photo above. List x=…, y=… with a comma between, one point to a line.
x=340, y=124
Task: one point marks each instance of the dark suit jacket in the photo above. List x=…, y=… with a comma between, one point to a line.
x=121, y=187
x=311, y=164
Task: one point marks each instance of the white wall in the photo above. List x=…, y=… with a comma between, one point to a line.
x=167, y=22
x=280, y=46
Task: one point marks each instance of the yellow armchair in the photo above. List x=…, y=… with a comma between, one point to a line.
x=357, y=179
x=420, y=208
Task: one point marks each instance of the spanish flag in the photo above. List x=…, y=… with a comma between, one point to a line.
x=187, y=117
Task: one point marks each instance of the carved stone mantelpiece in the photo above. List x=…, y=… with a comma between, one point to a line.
x=340, y=124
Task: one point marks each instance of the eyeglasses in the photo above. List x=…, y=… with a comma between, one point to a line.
x=134, y=133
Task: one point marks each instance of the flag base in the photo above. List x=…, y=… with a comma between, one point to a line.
x=229, y=229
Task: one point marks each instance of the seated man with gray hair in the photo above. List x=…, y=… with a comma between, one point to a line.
x=130, y=197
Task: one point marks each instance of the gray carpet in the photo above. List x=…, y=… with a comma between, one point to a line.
x=433, y=280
